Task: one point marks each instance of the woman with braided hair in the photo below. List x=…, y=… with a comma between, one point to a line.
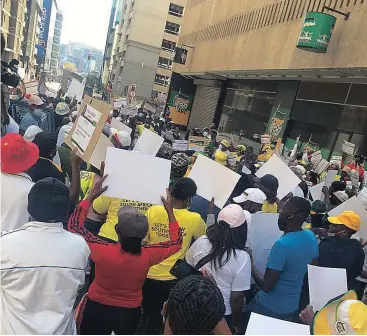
x=195, y=307
x=228, y=262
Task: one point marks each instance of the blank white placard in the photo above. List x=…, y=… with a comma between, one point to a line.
x=325, y=284
x=316, y=191
x=148, y=143
x=353, y=204
x=286, y=178
x=264, y=325
x=100, y=151
x=135, y=176
x=75, y=89
x=213, y=180
x=330, y=177
x=245, y=170
x=120, y=126
x=262, y=233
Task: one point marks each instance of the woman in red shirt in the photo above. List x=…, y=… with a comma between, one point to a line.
x=113, y=302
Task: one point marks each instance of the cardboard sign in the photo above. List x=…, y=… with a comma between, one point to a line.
x=353, y=204
x=213, y=180
x=31, y=87
x=120, y=126
x=316, y=157
x=336, y=160
x=265, y=139
x=278, y=168
x=325, y=284
x=348, y=147
x=316, y=191
x=88, y=127
x=100, y=151
x=180, y=145
x=198, y=144
x=148, y=143
x=264, y=325
x=263, y=232
x=129, y=178
x=75, y=89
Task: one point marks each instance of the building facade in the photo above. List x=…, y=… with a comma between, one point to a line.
x=13, y=21
x=55, y=50
x=146, y=39
x=251, y=77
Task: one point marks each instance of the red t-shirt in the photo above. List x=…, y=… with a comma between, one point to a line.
x=120, y=275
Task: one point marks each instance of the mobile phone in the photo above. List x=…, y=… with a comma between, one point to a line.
x=181, y=269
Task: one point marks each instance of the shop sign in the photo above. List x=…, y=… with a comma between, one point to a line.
x=316, y=32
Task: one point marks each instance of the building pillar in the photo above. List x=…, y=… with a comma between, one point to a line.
x=279, y=116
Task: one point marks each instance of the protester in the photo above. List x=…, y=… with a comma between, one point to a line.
x=340, y=251
x=61, y=112
x=317, y=219
x=39, y=286
x=195, y=307
x=65, y=129
x=44, y=167
x=248, y=159
x=179, y=164
x=335, y=195
x=120, y=139
x=343, y=315
x=269, y=186
x=222, y=154
x=34, y=116
x=159, y=281
x=165, y=152
x=114, y=298
x=251, y=200
x=17, y=156
x=287, y=264
x=222, y=252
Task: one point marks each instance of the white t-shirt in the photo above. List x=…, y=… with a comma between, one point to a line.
x=234, y=276
x=14, y=200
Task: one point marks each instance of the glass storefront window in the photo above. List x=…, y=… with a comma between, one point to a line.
x=248, y=110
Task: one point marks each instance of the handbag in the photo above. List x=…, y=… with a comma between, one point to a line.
x=181, y=269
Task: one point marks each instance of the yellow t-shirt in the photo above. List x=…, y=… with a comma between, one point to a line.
x=86, y=184
x=221, y=157
x=192, y=226
x=111, y=205
x=269, y=208
x=140, y=128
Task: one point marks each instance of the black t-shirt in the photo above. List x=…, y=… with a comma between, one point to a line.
x=44, y=168
x=337, y=252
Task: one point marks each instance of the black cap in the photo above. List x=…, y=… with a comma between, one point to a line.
x=269, y=182
x=49, y=201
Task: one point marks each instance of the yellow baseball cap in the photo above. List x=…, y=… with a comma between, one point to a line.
x=348, y=218
x=344, y=315
x=225, y=143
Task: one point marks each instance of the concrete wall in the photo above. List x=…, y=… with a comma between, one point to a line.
x=262, y=34
x=139, y=68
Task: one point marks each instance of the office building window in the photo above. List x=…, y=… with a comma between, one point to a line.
x=176, y=10
x=164, y=63
x=168, y=45
x=172, y=28
x=162, y=80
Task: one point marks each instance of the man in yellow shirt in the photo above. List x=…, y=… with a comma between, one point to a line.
x=159, y=281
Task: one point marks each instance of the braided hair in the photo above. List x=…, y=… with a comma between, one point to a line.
x=195, y=306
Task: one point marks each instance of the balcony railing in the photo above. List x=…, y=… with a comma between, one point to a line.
x=175, y=13
x=169, y=31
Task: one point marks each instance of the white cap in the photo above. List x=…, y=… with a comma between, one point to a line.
x=233, y=215
x=252, y=194
x=122, y=136
x=31, y=132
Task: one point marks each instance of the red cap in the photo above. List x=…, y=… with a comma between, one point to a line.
x=28, y=95
x=17, y=154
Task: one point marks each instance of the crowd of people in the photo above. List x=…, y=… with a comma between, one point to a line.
x=62, y=237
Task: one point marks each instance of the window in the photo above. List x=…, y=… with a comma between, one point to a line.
x=164, y=63
x=162, y=80
x=168, y=45
x=172, y=28
x=175, y=10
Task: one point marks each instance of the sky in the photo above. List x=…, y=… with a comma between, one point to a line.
x=85, y=21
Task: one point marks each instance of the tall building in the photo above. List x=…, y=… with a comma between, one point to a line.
x=13, y=22
x=32, y=29
x=146, y=40
x=55, y=51
x=46, y=35
x=112, y=38
x=287, y=68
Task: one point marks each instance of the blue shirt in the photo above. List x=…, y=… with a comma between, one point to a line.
x=290, y=255
x=29, y=120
